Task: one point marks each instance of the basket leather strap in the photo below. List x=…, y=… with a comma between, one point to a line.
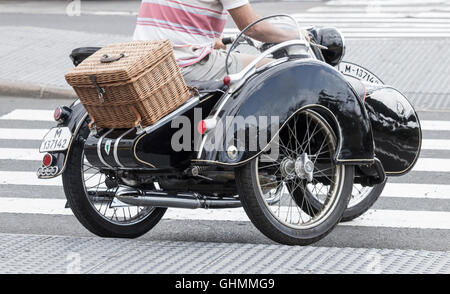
x=100, y=90
x=107, y=59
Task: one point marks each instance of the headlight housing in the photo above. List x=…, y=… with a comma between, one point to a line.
x=333, y=39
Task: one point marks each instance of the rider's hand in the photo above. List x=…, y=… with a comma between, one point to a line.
x=306, y=34
x=220, y=45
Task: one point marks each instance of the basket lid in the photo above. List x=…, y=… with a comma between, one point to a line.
x=119, y=62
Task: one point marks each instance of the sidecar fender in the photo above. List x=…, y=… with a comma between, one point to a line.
x=73, y=122
x=275, y=96
x=396, y=129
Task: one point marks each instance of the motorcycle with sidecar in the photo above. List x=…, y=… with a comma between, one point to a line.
x=293, y=142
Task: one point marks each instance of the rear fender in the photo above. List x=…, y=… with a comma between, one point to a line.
x=278, y=94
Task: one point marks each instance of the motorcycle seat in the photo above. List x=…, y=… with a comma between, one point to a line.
x=79, y=54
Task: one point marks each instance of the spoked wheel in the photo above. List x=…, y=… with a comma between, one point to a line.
x=90, y=195
x=272, y=189
x=361, y=199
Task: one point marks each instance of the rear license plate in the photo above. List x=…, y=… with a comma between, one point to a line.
x=57, y=139
x=359, y=72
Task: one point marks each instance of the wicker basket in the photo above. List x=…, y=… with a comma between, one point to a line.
x=129, y=84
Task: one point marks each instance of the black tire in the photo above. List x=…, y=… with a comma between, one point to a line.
x=354, y=211
x=369, y=200
x=87, y=215
x=259, y=215
x=259, y=210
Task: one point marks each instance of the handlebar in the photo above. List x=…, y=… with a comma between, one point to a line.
x=228, y=40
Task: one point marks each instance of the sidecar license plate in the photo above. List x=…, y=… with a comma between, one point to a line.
x=359, y=72
x=57, y=139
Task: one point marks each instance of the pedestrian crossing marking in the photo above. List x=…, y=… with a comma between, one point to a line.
x=435, y=125
x=381, y=19
x=372, y=218
x=29, y=114
x=22, y=134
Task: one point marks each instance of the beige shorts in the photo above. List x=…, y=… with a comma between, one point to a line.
x=212, y=67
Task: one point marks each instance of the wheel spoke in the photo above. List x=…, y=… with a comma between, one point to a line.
x=307, y=135
x=102, y=204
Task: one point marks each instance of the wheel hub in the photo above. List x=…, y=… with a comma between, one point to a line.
x=302, y=168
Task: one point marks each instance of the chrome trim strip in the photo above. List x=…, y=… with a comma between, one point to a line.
x=99, y=148
x=193, y=101
x=116, y=145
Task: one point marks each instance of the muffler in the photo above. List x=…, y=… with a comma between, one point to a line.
x=138, y=197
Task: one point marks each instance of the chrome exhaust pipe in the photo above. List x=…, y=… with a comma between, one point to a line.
x=137, y=197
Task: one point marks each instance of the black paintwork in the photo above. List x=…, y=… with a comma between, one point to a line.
x=152, y=150
x=286, y=88
x=396, y=129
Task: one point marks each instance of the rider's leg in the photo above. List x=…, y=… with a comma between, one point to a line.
x=213, y=66
x=247, y=58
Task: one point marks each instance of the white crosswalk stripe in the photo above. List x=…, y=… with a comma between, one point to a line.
x=418, y=219
x=380, y=19
x=22, y=134
x=29, y=114
x=373, y=218
x=385, y=19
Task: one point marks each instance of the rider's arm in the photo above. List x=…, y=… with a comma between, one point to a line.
x=263, y=31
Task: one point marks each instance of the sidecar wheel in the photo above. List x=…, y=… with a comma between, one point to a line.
x=95, y=214
x=361, y=200
x=271, y=189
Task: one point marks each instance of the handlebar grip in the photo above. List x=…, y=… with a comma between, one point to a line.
x=227, y=40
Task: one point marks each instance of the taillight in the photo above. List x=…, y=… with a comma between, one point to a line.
x=57, y=113
x=47, y=160
x=201, y=127
x=61, y=113
x=206, y=125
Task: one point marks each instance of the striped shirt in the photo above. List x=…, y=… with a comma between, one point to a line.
x=191, y=25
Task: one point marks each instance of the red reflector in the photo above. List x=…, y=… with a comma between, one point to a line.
x=226, y=80
x=47, y=160
x=57, y=113
x=201, y=127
